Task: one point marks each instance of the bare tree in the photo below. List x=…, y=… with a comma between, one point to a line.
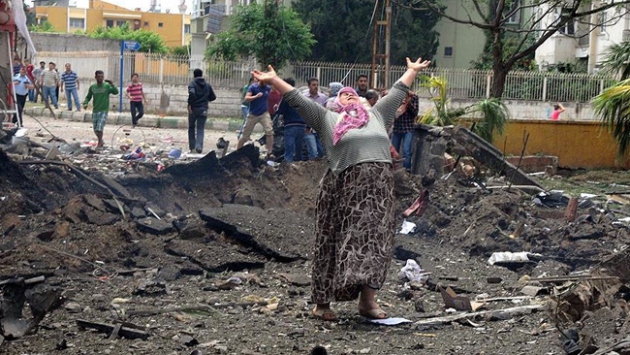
x=546, y=18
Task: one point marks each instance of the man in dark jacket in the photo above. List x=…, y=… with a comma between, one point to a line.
x=294, y=127
x=199, y=94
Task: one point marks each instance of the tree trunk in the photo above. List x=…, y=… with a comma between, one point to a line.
x=499, y=75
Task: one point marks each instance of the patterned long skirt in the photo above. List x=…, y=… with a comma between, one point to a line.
x=355, y=232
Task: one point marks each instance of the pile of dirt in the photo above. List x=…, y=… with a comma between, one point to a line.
x=218, y=257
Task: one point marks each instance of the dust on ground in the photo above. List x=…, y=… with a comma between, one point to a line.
x=215, y=257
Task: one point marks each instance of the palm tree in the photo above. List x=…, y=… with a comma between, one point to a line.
x=613, y=105
x=491, y=114
x=613, y=108
x=617, y=60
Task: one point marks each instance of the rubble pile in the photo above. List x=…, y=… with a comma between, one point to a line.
x=213, y=256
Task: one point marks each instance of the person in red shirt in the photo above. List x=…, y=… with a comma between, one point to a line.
x=29, y=72
x=136, y=97
x=273, y=100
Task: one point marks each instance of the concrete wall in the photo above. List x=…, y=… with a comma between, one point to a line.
x=527, y=110
x=171, y=100
x=57, y=42
x=576, y=144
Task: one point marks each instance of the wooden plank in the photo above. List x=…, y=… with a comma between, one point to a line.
x=513, y=311
x=123, y=331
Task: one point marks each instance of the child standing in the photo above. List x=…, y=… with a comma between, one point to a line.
x=136, y=99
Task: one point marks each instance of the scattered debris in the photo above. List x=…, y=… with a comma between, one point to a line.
x=459, y=303
x=412, y=272
x=501, y=314
x=114, y=331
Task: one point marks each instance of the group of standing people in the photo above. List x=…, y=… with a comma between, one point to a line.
x=261, y=101
x=30, y=82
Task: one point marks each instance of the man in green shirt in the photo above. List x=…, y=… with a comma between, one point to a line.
x=100, y=91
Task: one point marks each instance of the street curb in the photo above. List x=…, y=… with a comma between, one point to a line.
x=124, y=118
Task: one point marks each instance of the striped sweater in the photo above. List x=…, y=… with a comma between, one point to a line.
x=369, y=143
x=135, y=91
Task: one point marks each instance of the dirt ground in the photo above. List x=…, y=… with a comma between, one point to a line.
x=226, y=267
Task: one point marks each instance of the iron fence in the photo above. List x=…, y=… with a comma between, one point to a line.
x=461, y=83
x=470, y=84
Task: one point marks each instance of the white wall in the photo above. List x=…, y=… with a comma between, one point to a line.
x=562, y=48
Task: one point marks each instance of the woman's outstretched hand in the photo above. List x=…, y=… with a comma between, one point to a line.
x=418, y=65
x=267, y=76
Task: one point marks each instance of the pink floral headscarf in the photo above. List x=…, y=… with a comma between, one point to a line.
x=353, y=116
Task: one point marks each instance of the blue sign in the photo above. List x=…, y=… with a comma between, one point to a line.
x=131, y=45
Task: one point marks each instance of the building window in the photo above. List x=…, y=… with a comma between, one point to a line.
x=160, y=24
x=109, y=23
x=603, y=18
x=515, y=18
x=186, y=28
x=448, y=51
x=569, y=27
x=120, y=23
x=146, y=23
x=77, y=22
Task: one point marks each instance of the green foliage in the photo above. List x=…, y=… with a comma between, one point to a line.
x=491, y=114
x=344, y=34
x=271, y=32
x=44, y=26
x=613, y=108
x=617, y=60
x=149, y=41
x=182, y=51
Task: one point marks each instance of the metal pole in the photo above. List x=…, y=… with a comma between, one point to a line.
x=122, y=63
x=372, y=82
x=388, y=33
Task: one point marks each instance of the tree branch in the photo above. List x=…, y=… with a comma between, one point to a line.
x=479, y=11
x=498, y=13
x=441, y=13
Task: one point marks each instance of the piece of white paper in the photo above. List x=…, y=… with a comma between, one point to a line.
x=390, y=321
x=407, y=227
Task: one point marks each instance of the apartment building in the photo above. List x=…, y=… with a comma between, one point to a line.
x=586, y=40
x=211, y=17
x=173, y=27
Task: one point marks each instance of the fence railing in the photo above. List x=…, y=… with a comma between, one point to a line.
x=470, y=84
x=462, y=83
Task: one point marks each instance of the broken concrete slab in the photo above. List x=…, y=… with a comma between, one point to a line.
x=154, y=226
x=260, y=231
x=216, y=256
x=41, y=298
x=248, y=152
x=137, y=212
x=490, y=156
x=90, y=209
x=429, y=145
x=207, y=166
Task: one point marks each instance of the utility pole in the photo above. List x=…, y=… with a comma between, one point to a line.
x=380, y=51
